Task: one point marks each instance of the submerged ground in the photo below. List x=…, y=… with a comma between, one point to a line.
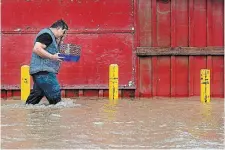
x=132, y=123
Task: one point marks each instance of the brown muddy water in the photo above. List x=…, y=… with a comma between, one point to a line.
x=89, y=123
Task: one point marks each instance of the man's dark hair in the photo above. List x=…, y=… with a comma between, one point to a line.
x=60, y=23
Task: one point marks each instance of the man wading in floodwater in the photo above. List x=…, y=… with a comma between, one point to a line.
x=45, y=64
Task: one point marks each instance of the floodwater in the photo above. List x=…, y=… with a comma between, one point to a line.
x=89, y=123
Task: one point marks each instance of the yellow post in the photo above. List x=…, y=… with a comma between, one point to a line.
x=205, y=85
x=113, y=83
x=25, y=82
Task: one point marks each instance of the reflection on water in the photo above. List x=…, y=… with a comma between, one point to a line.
x=94, y=123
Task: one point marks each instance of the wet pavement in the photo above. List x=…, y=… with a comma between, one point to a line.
x=89, y=123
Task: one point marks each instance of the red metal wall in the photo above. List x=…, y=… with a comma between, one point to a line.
x=109, y=31
x=180, y=23
x=103, y=28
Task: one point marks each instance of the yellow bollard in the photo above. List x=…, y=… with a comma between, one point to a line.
x=25, y=82
x=205, y=85
x=113, y=84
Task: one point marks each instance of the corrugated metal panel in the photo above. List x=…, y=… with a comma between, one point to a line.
x=32, y=15
x=109, y=32
x=104, y=29
x=180, y=23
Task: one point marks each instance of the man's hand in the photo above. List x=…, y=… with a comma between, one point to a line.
x=56, y=57
x=39, y=49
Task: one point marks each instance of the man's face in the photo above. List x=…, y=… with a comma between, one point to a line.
x=61, y=33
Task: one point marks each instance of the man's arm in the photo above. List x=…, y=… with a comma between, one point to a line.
x=39, y=49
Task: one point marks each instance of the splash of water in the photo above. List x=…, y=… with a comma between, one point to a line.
x=65, y=103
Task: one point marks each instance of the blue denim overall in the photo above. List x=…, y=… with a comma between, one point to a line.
x=43, y=72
